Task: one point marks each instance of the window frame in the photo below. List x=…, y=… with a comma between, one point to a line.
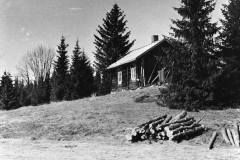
x=120, y=76
x=133, y=74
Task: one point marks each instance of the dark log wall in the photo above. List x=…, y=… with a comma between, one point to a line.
x=114, y=80
x=150, y=62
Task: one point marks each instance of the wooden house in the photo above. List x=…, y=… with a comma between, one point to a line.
x=139, y=67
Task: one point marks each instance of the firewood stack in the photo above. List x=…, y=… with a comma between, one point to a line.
x=167, y=128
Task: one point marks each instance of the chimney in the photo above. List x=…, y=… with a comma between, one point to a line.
x=154, y=38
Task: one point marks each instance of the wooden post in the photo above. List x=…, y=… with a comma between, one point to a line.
x=211, y=142
x=237, y=137
x=225, y=136
x=230, y=137
x=127, y=78
x=142, y=72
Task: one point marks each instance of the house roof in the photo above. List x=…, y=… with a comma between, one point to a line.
x=135, y=54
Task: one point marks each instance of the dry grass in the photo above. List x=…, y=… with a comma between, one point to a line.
x=106, y=118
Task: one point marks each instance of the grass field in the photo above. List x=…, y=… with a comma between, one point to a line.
x=106, y=118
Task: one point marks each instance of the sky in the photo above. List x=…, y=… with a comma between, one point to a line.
x=24, y=24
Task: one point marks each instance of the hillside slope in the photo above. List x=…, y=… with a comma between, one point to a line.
x=106, y=118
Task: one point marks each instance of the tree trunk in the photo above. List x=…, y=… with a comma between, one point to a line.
x=167, y=119
x=187, y=133
x=154, y=124
x=171, y=133
x=153, y=120
x=176, y=125
x=160, y=127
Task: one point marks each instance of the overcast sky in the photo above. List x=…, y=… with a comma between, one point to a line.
x=26, y=23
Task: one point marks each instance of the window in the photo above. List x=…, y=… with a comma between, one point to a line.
x=120, y=77
x=133, y=73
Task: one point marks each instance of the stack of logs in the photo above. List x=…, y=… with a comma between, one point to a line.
x=167, y=128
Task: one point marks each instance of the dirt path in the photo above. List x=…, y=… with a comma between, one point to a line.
x=17, y=149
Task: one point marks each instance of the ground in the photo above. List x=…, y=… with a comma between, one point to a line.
x=94, y=128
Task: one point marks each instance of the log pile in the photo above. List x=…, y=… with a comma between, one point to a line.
x=167, y=128
x=231, y=136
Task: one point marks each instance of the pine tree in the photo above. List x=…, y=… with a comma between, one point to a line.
x=18, y=90
x=8, y=95
x=60, y=73
x=193, y=60
x=87, y=72
x=112, y=42
x=81, y=74
x=75, y=73
x=230, y=48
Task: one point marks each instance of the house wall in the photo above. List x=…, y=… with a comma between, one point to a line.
x=151, y=66
x=150, y=62
x=127, y=83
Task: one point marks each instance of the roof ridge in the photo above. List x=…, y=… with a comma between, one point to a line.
x=144, y=46
x=132, y=55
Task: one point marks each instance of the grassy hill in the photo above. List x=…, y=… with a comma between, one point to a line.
x=106, y=118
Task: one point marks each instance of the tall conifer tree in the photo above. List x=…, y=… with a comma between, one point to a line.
x=193, y=60
x=8, y=94
x=60, y=73
x=111, y=44
x=81, y=74
x=230, y=48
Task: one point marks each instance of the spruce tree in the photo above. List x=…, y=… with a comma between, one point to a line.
x=81, y=74
x=75, y=73
x=111, y=44
x=8, y=95
x=230, y=48
x=60, y=73
x=192, y=58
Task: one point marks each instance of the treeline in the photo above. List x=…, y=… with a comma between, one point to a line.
x=67, y=81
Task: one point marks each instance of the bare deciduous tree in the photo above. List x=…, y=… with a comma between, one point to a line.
x=36, y=63
x=23, y=69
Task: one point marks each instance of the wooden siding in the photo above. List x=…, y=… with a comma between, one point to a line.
x=149, y=63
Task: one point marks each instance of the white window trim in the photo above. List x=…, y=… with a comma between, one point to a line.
x=120, y=77
x=133, y=74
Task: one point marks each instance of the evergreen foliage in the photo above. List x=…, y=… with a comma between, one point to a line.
x=8, y=94
x=81, y=74
x=24, y=93
x=60, y=74
x=111, y=44
x=192, y=58
x=230, y=49
x=42, y=90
